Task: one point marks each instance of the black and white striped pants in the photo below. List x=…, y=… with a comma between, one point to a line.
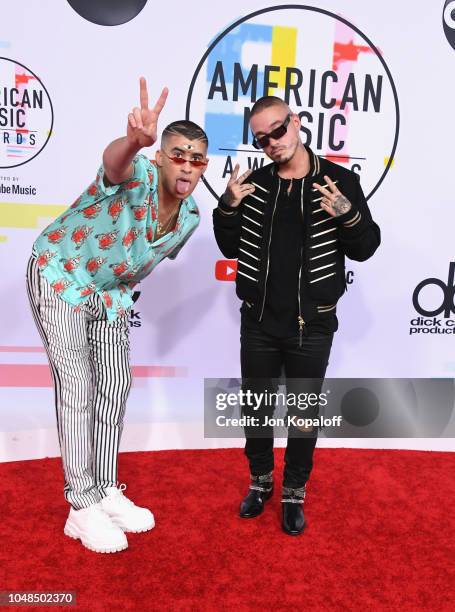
x=89, y=361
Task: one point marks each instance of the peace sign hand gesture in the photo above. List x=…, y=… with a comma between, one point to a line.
x=142, y=122
x=236, y=190
x=333, y=201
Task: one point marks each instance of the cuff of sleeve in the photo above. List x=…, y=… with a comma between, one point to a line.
x=107, y=190
x=350, y=219
x=143, y=171
x=225, y=208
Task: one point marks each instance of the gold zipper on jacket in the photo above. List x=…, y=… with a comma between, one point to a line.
x=300, y=320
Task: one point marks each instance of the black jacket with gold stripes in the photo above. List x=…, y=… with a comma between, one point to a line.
x=245, y=233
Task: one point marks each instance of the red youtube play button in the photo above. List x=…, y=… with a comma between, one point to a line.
x=226, y=269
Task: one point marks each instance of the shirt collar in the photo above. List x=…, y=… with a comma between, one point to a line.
x=190, y=204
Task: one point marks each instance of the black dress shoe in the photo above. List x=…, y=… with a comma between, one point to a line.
x=253, y=504
x=261, y=489
x=293, y=522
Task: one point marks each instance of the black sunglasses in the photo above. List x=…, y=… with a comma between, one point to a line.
x=278, y=132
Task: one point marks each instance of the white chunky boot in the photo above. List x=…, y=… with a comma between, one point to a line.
x=93, y=527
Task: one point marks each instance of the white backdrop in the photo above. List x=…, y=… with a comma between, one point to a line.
x=91, y=75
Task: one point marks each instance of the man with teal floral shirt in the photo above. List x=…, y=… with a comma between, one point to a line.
x=80, y=279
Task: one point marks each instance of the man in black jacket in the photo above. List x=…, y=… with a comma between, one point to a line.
x=290, y=224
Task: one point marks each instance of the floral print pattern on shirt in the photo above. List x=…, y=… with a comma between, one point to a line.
x=104, y=242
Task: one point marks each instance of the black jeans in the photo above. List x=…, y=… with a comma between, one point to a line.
x=263, y=357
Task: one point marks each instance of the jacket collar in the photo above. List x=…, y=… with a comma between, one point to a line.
x=315, y=164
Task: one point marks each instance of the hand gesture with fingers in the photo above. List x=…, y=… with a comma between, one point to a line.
x=142, y=122
x=333, y=201
x=236, y=189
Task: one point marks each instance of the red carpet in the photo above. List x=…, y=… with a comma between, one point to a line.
x=380, y=536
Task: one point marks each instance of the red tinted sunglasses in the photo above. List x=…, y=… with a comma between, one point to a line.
x=196, y=163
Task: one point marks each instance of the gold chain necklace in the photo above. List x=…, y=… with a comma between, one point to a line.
x=163, y=228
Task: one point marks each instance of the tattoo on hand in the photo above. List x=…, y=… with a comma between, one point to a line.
x=341, y=205
x=228, y=198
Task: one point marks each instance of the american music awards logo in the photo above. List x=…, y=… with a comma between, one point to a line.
x=328, y=71
x=26, y=114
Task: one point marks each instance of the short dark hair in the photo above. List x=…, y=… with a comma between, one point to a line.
x=191, y=130
x=266, y=102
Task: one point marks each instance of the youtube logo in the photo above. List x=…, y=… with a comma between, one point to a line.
x=226, y=269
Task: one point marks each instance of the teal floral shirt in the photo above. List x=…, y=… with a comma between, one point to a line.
x=105, y=242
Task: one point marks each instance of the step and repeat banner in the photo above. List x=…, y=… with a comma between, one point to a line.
x=373, y=86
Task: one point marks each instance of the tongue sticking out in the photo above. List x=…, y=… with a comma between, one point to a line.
x=182, y=186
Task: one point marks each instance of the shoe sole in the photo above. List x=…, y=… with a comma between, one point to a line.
x=76, y=536
x=292, y=533
x=136, y=530
x=251, y=516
